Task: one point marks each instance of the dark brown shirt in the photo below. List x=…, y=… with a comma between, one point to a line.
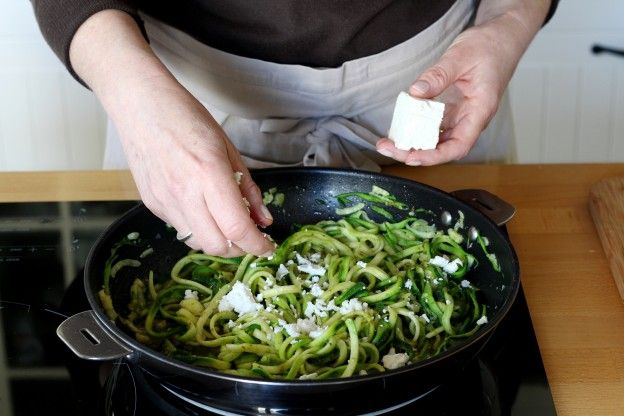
x=317, y=33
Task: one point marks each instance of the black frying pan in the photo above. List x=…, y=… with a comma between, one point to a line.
x=309, y=198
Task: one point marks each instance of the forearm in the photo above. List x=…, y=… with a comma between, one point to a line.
x=113, y=58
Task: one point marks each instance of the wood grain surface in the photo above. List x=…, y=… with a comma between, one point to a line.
x=574, y=303
x=606, y=204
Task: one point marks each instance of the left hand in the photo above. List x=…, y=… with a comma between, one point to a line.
x=470, y=78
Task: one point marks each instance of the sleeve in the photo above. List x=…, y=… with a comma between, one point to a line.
x=60, y=19
x=551, y=10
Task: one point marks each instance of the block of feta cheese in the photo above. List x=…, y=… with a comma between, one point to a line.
x=415, y=123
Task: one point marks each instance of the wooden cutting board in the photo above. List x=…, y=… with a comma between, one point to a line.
x=606, y=204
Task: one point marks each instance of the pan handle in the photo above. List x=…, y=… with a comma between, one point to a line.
x=487, y=203
x=86, y=338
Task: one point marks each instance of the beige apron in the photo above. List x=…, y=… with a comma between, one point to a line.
x=293, y=115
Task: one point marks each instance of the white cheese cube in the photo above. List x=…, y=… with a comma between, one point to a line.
x=415, y=123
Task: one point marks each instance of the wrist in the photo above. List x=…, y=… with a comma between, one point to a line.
x=522, y=18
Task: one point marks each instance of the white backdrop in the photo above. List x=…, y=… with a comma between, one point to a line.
x=568, y=104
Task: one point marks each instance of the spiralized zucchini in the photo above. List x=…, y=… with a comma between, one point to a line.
x=337, y=299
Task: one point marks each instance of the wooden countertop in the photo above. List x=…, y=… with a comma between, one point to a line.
x=576, y=311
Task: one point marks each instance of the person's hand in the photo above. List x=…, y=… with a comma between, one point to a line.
x=184, y=167
x=183, y=164
x=470, y=78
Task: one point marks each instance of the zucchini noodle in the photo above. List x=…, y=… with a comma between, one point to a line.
x=338, y=298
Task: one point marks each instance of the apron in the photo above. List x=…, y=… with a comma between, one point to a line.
x=294, y=115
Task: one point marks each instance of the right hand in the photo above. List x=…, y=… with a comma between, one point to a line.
x=183, y=165
x=181, y=160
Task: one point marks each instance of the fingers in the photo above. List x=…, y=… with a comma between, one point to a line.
x=386, y=148
x=436, y=79
x=455, y=143
x=190, y=216
x=248, y=188
x=206, y=233
x=225, y=202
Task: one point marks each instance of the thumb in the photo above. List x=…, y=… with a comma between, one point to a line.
x=435, y=79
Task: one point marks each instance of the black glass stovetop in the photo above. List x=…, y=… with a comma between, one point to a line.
x=43, y=247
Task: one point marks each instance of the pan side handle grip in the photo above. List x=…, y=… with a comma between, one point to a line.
x=487, y=203
x=84, y=336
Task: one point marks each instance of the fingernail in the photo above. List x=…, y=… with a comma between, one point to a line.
x=413, y=162
x=266, y=213
x=420, y=87
x=268, y=254
x=385, y=152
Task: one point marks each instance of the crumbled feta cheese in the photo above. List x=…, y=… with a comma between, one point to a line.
x=240, y=299
x=361, y=264
x=191, y=294
x=290, y=328
x=319, y=308
x=259, y=297
x=415, y=123
x=311, y=310
x=465, y=283
x=238, y=176
x=445, y=264
x=281, y=271
x=314, y=279
x=392, y=361
x=306, y=266
x=312, y=269
x=268, y=283
x=352, y=305
x=316, y=290
x=483, y=320
x=317, y=332
x=453, y=266
x=315, y=257
x=231, y=324
x=460, y=221
x=425, y=318
x=289, y=262
x=408, y=284
x=306, y=326
x=302, y=326
x=253, y=265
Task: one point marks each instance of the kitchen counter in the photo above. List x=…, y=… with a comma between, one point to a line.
x=575, y=307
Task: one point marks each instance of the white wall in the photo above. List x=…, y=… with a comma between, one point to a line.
x=568, y=104
x=47, y=120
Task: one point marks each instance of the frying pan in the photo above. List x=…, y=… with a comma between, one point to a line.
x=309, y=197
